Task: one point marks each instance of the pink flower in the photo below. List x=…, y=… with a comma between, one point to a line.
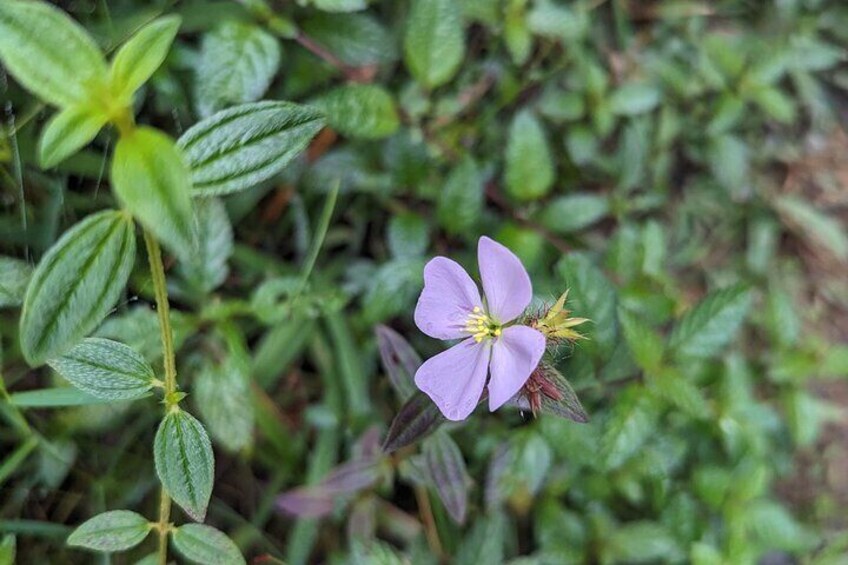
x=450, y=307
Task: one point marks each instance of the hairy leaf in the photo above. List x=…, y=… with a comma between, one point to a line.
x=434, y=44
x=185, y=462
x=415, y=420
x=238, y=148
x=69, y=131
x=237, y=63
x=360, y=110
x=206, y=545
x=49, y=53
x=116, y=530
x=400, y=360
x=447, y=469
x=76, y=284
x=105, y=369
x=151, y=179
x=14, y=277
x=138, y=58
x=712, y=323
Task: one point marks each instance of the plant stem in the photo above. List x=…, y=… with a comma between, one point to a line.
x=430, y=531
x=160, y=289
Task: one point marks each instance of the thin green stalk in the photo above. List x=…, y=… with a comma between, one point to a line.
x=160, y=290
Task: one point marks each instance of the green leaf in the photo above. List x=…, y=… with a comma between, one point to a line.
x=572, y=213
x=224, y=401
x=593, y=296
x=644, y=542
x=76, y=284
x=460, y=202
x=712, y=323
x=434, y=44
x=237, y=63
x=116, y=530
x=408, y=235
x=14, y=277
x=54, y=398
x=105, y=369
x=635, y=98
x=728, y=160
x=206, y=545
x=49, y=54
x=7, y=550
x=366, y=111
x=238, y=148
x=340, y=5
x=632, y=422
x=151, y=179
x=68, y=131
x=529, y=166
x=138, y=58
x=817, y=227
x=674, y=387
x=644, y=343
x=447, y=470
x=207, y=269
x=185, y=462
x=357, y=40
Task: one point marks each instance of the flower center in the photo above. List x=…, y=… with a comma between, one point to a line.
x=481, y=326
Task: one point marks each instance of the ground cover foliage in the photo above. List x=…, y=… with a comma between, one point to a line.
x=279, y=173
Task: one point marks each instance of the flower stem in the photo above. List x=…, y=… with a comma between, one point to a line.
x=160, y=289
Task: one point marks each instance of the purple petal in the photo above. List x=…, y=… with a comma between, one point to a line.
x=455, y=378
x=448, y=298
x=505, y=281
x=514, y=356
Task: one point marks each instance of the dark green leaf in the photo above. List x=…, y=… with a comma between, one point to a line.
x=76, y=284
x=529, y=171
x=434, y=44
x=712, y=323
x=416, y=419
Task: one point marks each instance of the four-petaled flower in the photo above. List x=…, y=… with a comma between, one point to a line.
x=450, y=307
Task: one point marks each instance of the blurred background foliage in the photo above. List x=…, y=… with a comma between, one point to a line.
x=681, y=166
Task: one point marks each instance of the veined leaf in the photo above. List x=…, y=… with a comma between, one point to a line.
x=434, y=44
x=415, y=420
x=69, y=131
x=574, y=212
x=238, y=148
x=356, y=39
x=138, y=58
x=237, y=63
x=206, y=545
x=594, y=297
x=712, y=323
x=644, y=343
x=447, y=469
x=116, y=530
x=14, y=277
x=461, y=201
x=366, y=111
x=76, y=284
x=205, y=270
x=105, y=369
x=49, y=54
x=529, y=166
x=224, y=401
x=816, y=226
x=631, y=423
x=400, y=360
x=185, y=462
x=152, y=180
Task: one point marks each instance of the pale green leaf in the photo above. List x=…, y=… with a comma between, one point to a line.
x=184, y=462
x=206, y=545
x=207, y=269
x=76, y=284
x=105, y=369
x=712, y=323
x=138, y=58
x=49, y=54
x=14, y=277
x=644, y=343
x=237, y=63
x=460, y=202
x=151, y=179
x=68, y=131
x=529, y=166
x=54, y=398
x=434, y=44
x=116, y=530
x=360, y=110
x=238, y=148
x=224, y=401
x=635, y=98
x=340, y=5
x=574, y=212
